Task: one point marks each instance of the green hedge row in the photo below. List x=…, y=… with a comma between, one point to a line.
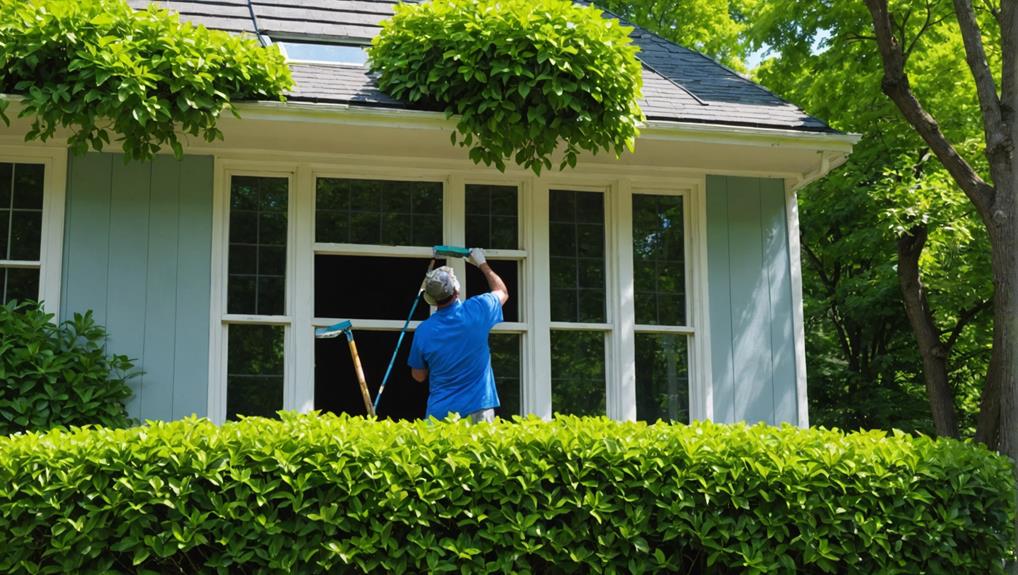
x=317, y=494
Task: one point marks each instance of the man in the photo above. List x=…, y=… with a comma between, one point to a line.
x=451, y=347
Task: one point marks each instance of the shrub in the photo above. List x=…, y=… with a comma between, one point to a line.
x=313, y=494
x=520, y=74
x=53, y=375
x=99, y=67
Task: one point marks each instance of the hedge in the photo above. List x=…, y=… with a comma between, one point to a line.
x=317, y=494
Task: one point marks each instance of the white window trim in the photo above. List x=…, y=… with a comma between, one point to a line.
x=51, y=248
x=536, y=325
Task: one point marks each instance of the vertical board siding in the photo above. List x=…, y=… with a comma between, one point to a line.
x=749, y=277
x=722, y=361
x=137, y=251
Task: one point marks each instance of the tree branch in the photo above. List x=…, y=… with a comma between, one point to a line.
x=964, y=318
x=986, y=88
x=896, y=85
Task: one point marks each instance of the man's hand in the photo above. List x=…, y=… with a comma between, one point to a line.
x=477, y=257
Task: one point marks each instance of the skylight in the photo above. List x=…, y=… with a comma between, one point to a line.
x=351, y=54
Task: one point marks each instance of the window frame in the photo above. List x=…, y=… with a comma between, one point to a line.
x=535, y=326
x=51, y=245
x=221, y=319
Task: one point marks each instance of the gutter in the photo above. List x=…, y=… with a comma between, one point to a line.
x=346, y=114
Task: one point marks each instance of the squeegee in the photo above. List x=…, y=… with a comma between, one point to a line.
x=436, y=252
x=346, y=328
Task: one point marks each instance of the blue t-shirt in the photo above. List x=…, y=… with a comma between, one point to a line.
x=452, y=345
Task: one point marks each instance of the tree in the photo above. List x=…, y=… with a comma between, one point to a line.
x=862, y=256
x=713, y=27
x=996, y=202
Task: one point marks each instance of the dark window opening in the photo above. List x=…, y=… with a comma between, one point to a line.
x=352, y=287
x=509, y=272
x=336, y=386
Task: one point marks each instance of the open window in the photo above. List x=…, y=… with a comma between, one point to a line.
x=373, y=243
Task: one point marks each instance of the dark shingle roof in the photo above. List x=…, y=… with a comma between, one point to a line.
x=678, y=84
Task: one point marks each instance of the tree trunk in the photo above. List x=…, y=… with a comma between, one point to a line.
x=931, y=348
x=1004, y=361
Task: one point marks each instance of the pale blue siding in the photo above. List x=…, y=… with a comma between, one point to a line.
x=749, y=278
x=137, y=248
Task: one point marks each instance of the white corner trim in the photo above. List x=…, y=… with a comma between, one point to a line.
x=798, y=327
x=701, y=404
x=216, y=409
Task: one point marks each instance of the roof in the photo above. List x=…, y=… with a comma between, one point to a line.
x=679, y=84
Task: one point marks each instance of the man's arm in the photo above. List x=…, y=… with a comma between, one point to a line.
x=495, y=283
x=419, y=375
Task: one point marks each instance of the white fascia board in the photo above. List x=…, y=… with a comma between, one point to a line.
x=653, y=129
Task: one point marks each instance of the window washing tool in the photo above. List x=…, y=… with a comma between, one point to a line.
x=437, y=252
x=345, y=327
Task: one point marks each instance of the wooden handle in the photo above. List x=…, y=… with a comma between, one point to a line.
x=360, y=377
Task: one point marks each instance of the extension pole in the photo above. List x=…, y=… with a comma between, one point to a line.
x=360, y=372
x=402, y=333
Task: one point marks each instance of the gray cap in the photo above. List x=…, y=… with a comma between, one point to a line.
x=440, y=284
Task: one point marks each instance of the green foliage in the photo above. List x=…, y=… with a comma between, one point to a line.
x=522, y=76
x=315, y=494
x=53, y=375
x=865, y=369
x=97, y=66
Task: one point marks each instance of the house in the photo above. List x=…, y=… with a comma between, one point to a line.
x=664, y=284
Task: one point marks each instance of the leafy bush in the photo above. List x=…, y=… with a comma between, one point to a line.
x=520, y=74
x=99, y=66
x=53, y=375
x=314, y=494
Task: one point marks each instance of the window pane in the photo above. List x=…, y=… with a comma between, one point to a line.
x=577, y=372
x=577, y=256
x=659, y=260
x=257, y=257
x=335, y=53
x=336, y=386
x=254, y=370
x=492, y=216
x=378, y=212
x=19, y=284
x=5, y=231
x=509, y=272
x=26, y=234
x=505, y=362
x=361, y=287
x=6, y=183
x=28, y=186
x=662, y=377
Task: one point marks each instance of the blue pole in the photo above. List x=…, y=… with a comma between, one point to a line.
x=399, y=342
